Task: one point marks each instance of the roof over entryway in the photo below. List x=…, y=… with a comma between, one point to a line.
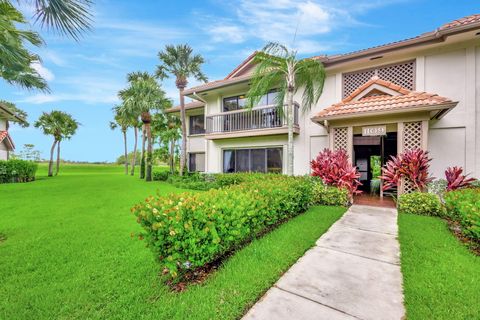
x=380, y=97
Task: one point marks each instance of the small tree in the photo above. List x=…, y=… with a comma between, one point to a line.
x=278, y=67
x=167, y=128
x=61, y=126
x=122, y=120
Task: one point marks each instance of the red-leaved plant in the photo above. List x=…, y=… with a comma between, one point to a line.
x=412, y=165
x=455, y=178
x=335, y=169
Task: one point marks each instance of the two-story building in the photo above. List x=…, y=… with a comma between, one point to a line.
x=6, y=142
x=422, y=92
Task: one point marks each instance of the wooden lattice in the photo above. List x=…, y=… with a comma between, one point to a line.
x=340, y=138
x=407, y=186
x=402, y=74
x=412, y=135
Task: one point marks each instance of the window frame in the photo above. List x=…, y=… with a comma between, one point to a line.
x=190, y=154
x=190, y=125
x=267, y=151
x=238, y=97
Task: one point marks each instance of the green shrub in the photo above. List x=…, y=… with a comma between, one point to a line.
x=421, y=203
x=189, y=230
x=161, y=175
x=328, y=195
x=464, y=206
x=17, y=171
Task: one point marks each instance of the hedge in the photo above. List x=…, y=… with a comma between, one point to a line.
x=421, y=203
x=328, y=195
x=464, y=206
x=17, y=171
x=189, y=230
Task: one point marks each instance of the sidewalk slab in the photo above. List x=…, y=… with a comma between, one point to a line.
x=374, y=245
x=285, y=305
x=353, y=272
x=361, y=287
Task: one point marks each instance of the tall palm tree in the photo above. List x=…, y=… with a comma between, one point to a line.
x=69, y=17
x=278, y=67
x=123, y=121
x=61, y=126
x=180, y=62
x=136, y=124
x=144, y=95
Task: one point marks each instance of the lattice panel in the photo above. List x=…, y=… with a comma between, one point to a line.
x=340, y=138
x=351, y=81
x=407, y=186
x=402, y=74
x=412, y=135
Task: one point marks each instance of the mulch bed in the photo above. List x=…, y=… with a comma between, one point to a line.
x=456, y=229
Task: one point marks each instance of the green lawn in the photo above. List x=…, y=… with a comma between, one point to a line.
x=441, y=277
x=68, y=253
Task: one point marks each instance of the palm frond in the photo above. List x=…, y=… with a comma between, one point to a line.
x=69, y=17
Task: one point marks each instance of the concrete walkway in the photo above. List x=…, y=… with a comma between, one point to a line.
x=353, y=272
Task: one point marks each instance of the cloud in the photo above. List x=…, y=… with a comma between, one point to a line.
x=227, y=32
x=299, y=24
x=86, y=89
x=43, y=71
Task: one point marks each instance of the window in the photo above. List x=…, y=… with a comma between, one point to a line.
x=239, y=102
x=197, y=124
x=253, y=160
x=196, y=162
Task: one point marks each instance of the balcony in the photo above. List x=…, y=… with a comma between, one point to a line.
x=265, y=120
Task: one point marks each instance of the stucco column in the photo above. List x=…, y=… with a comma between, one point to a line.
x=350, y=143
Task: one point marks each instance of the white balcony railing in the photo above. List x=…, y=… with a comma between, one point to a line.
x=257, y=118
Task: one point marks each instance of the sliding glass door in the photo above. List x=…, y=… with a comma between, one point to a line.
x=253, y=160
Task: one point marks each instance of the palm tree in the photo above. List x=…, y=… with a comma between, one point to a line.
x=180, y=62
x=123, y=121
x=166, y=127
x=61, y=126
x=136, y=125
x=278, y=67
x=144, y=95
x=69, y=17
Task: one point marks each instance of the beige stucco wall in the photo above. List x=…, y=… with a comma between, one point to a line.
x=3, y=124
x=3, y=151
x=452, y=71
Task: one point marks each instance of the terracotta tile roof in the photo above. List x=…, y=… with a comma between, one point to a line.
x=3, y=135
x=379, y=102
x=188, y=106
x=461, y=22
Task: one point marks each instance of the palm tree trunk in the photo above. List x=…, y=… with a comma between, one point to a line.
x=50, y=163
x=58, y=157
x=183, y=155
x=148, y=175
x=290, y=133
x=134, y=158
x=172, y=156
x=142, y=160
x=125, y=150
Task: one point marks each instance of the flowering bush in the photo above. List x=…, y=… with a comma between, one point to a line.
x=189, y=230
x=17, y=171
x=463, y=205
x=412, y=165
x=335, y=169
x=455, y=178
